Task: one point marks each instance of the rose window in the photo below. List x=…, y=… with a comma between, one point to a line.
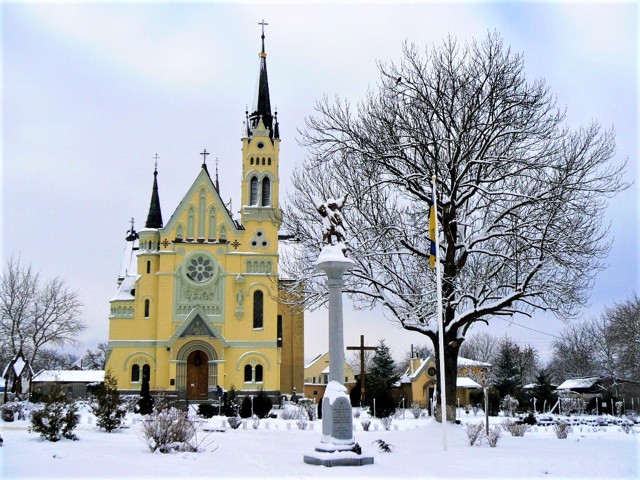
x=200, y=269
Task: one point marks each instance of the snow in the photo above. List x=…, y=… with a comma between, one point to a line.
x=577, y=383
x=466, y=382
x=88, y=376
x=126, y=287
x=333, y=253
x=334, y=391
x=276, y=449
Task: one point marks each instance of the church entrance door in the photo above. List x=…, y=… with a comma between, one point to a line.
x=197, y=375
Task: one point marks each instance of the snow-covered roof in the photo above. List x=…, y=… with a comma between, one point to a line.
x=124, y=291
x=466, y=382
x=577, y=383
x=466, y=362
x=314, y=360
x=80, y=376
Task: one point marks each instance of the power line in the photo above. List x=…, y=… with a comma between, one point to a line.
x=511, y=322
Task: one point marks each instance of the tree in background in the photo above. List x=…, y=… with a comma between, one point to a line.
x=506, y=372
x=543, y=392
x=51, y=359
x=35, y=314
x=481, y=346
x=606, y=346
x=380, y=381
x=521, y=196
x=95, y=359
x=107, y=405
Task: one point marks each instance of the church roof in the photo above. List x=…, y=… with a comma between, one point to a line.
x=154, y=218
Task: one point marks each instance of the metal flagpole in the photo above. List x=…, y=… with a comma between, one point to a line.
x=443, y=389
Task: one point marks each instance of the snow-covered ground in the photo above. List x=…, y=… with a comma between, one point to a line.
x=276, y=448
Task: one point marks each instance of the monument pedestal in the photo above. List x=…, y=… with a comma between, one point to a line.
x=337, y=446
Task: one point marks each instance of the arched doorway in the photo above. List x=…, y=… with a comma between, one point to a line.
x=197, y=375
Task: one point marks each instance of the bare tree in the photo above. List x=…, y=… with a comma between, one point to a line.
x=608, y=345
x=521, y=196
x=34, y=313
x=95, y=359
x=51, y=359
x=481, y=346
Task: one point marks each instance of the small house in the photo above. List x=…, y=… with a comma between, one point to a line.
x=74, y=383
x=316, y=377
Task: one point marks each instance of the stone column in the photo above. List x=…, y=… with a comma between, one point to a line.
x=337, y=446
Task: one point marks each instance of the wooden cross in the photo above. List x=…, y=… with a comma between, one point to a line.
x=363, y=373
x=204, y=155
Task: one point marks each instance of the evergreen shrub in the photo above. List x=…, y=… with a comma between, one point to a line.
x=262, y=404
x=207, y=410
x=245, y=407
x=56, y=418
x=107, y=405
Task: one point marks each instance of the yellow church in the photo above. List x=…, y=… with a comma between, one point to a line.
x=197, y=305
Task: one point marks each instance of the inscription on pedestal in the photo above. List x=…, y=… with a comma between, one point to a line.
x=337, y=421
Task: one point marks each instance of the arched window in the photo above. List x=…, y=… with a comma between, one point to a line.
x=146, y=372
x=190, y=222
x=253, y=199
x=148, y=266
x=212, y=223
x=266, y=192
x=146, y=308
x=201, y=213
x=248, y=373
x=258, y=303
x=135, y=373
x=258, y=373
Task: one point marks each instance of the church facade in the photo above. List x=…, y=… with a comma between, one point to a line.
x=198, y=304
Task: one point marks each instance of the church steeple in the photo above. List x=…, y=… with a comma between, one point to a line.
x=154, y=219
x=262, y=103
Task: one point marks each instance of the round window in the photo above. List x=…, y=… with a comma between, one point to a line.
x=431, y=371
x=260, y=145
x=200, y=269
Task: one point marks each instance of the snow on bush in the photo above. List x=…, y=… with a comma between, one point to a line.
x=474, y=433
x=56, y=418
x=416, y=409
x=168, y=431
x=365, y=424
x=386, y=422
x=234, y=422
x=494, y=435
x=509, y=404
x=9, y=411
x=561, y=429
x=516, y=429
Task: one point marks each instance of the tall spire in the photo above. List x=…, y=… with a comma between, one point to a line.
x=262, y=104
x=154, y=219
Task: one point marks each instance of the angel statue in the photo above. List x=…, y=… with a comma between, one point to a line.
x=332, y=226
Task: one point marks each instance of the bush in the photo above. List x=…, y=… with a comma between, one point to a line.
x=416, y=409
x=517, y=429
x=145, y=402
x=365, y=425
x=9, y=411
x=386, y=422
x=474, y=433
x=561, y=429
x=509, y=405
x=262, y=404
x=56, y=418
x=231, y=407
x=245, y=407
x=169, y=431
x=530, y=419
x=207, y=410
x=494, y=435
x=107, y=406
x=308, y=409
x=234, y=422
x=289, y=413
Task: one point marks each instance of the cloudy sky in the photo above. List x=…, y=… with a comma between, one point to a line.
x=92, y=91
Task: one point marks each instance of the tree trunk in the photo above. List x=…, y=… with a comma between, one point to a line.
x=451, y=348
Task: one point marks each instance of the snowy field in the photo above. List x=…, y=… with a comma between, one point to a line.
x=276, y=448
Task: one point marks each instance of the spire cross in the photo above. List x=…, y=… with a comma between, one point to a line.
x=263, y=25
x=204, y=156
x=132, y=224
x=156, y=157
